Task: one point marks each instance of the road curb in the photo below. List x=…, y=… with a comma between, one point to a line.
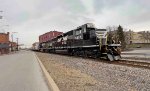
x=52, y=85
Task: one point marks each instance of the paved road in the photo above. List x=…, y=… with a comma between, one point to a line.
x=137, y=53
x=21, y=72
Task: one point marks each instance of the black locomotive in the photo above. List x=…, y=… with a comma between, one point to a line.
x=86, y=41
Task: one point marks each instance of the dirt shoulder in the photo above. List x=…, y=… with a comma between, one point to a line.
x=78, y=74
x=68, y=79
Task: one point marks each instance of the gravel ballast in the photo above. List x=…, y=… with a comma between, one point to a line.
x=78, y=74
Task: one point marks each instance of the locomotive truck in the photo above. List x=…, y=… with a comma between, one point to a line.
x=86, y=41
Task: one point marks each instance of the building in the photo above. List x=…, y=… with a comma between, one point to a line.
x=14, y=46
x=136, y=37
x=4, y=43
x=48, y=36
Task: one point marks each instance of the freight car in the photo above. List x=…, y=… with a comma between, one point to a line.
x=48, y=36
x=86, y=41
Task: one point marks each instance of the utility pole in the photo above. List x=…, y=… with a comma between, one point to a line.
x=17, y=44
x=12, y=40
x=1, y=15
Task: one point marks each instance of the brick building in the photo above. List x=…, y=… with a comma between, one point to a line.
x=4, y=43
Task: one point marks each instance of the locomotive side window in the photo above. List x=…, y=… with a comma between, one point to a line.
x=78, y=31
x=78, y=37
x=86, y=36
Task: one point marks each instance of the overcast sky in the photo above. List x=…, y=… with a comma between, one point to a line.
x=31, y=18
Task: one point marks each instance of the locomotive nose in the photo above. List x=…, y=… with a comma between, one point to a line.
x=114, y=52
x=113, y=58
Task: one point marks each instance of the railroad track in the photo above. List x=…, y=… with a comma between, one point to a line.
x=129, y=63
x=136, y=64
x=133, y=64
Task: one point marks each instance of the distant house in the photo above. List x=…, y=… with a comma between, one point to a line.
x=136, y=37
x=4, y=43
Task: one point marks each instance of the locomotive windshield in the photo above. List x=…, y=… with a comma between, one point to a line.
x=101, y=33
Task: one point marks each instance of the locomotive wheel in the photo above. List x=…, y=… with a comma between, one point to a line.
x=75, y=53
x=96, y=55
x=85, y=54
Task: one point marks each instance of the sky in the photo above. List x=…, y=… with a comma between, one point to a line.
x=31, y=18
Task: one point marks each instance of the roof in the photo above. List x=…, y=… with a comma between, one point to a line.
x=4, y=33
